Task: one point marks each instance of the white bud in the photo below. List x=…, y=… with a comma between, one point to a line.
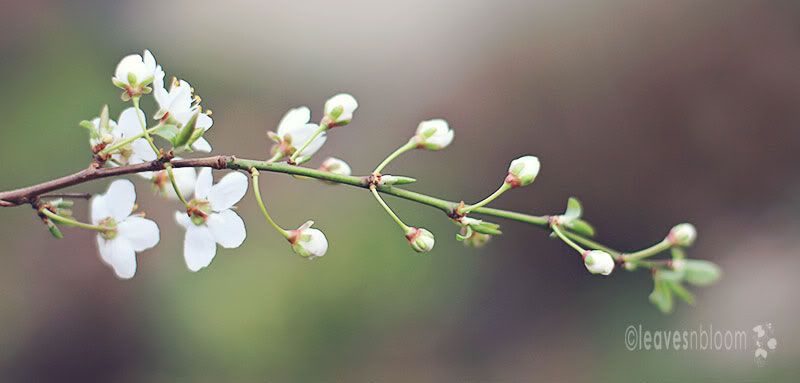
x=336, y=166
x=523, y=171
x=682, y=235
x=421, y=240
x=307, y=242
x=339, y=109
x=434, y=134
x=598, y=262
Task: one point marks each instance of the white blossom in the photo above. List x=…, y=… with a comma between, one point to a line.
x=177, y=100
x=523, y=171
x=125, y=234
x=142, y=70
x=340, y=108
x=136, y=152
x=294, y=130
x=421, y=240
x=307, y=242
x=210, y=221
x=598, y=262
x=433, y=134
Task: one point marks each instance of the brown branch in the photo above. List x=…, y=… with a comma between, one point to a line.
x=31, y=193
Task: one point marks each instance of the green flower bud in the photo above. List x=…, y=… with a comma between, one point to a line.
x=421, y=240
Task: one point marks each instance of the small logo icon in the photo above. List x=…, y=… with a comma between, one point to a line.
x=764, y=336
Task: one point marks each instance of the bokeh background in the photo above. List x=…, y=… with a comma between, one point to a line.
x=652, y=113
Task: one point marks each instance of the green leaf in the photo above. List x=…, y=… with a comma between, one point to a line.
x=487, y=228
x=185, y=133
x=701, y=273
x=167, y=132
x=661, y=296
x=581, y=227
x=574, y=210
x=669, y=275
x=681, y=292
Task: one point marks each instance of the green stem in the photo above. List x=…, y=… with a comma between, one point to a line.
x=314, y=136
x=128, y=140
x=566, y=240
x=408, y=146
x=147, y=136
x=502, y=189
x=174, y=183
x=257, y=191
x=70, y=222
x=662, y=246
x=592, y=244
x=277, y=156
x=389, y=210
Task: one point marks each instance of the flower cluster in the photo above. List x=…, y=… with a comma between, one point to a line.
x=208, y=215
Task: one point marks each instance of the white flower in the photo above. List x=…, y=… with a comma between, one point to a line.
x=307, y=242
x=135, y=71
x=339, y=109
x=682, y=235
x=178, y=100
x=598, y=262
x=336, y=166
x=184, y=177
x=105, y=136
x=210, y=221
x=138, y=151
x=294, y=130
x=523, y=171
x=433, y=134
x=126, y=234
x=421, y=240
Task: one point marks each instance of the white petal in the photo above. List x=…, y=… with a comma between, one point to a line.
x=227, y=228
x=183, y=219
x=142, y=152
x=128, y=64
x=141, y=233
x=149, y=60
x=204, y=122
x=120, y=198
x=201, y=145
x=119, y=254
x=199, y=247
x=204, y=181
x=301, y=134
x=293, y=118
x=228, y=191
x=186, y=179
x=128, y=124
x=99, y=209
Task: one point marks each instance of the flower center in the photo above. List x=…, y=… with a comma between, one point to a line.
x=198, y=210
x=109, y=226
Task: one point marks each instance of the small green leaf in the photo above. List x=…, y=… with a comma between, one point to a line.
x=185, y=133
x=167, y=132
x=54, y=230
x=487, y=228
x=681, y=292
x=669, y=276
x=574, y=210
x=581, y=227
x=661, y=296
x=701, y=273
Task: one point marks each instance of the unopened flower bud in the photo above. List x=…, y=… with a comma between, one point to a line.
x=682, y=235
x=523, y=171
x=307, y=242
x=336, y=166
x=598, y=262
x=433, y=134
x=339, y=109
x=421, y=240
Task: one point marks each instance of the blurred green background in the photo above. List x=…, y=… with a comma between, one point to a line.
x=652, y=113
